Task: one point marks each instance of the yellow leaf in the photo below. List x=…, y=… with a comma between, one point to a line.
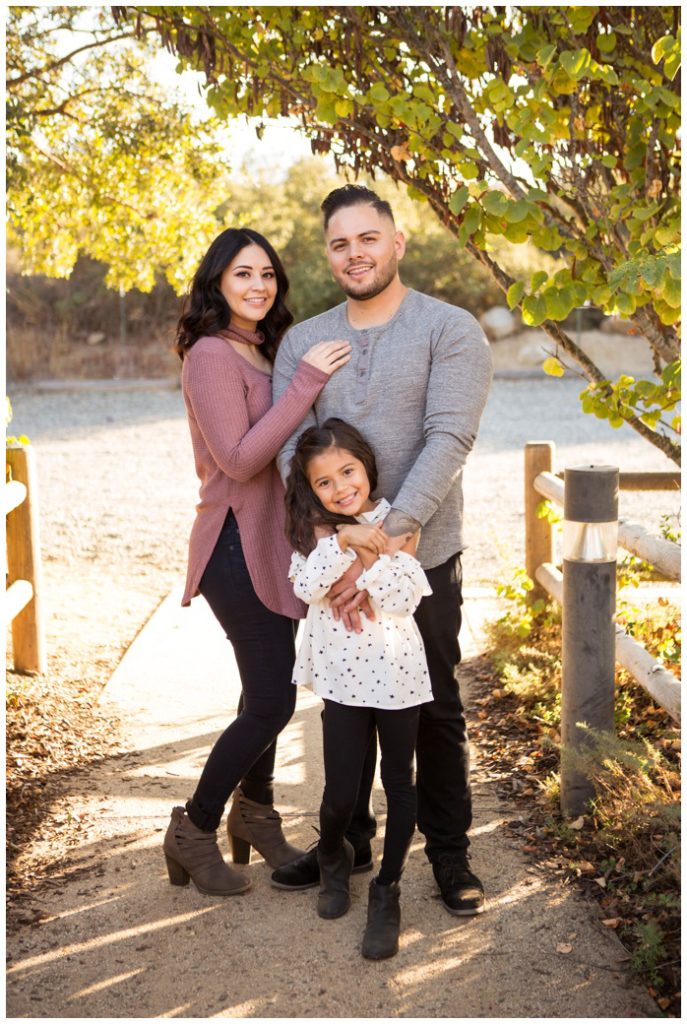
x=553, y=367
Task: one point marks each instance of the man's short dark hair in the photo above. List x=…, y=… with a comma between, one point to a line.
x=353, y=195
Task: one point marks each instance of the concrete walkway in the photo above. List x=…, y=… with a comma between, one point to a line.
x=118, y=941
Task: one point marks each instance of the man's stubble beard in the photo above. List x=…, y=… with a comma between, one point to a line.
x=382, y=281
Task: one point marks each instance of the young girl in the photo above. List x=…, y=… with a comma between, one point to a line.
x=375, y=678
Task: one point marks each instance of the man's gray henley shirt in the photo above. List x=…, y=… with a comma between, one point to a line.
x=415, y=387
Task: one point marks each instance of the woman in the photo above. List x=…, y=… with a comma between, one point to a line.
x=227, y=337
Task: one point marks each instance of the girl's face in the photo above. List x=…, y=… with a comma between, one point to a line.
x=249, y=284
x=340, y=482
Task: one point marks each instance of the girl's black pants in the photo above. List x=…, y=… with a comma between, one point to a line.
x=347, y=732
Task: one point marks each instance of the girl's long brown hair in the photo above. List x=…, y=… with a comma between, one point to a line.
x=304, y=510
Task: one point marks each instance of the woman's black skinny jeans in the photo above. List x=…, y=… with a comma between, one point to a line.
x=264, y=647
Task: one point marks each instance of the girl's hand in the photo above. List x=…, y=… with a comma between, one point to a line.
x=362, y=536
x=328, y=356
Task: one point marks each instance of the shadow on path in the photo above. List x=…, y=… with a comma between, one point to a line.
x=116, y=940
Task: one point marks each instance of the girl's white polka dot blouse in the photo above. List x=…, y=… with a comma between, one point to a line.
x=385, y=665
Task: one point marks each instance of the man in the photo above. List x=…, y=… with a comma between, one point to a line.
x=415, y=387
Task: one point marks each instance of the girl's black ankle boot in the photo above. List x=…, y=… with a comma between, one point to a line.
x=383, y=921
x=334, y=897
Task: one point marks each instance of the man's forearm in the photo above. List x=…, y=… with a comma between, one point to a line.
x=398, y=522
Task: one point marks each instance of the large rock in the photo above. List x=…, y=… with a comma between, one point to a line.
x=498, y=322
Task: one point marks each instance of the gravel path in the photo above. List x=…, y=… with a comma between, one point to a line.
x=117, y=491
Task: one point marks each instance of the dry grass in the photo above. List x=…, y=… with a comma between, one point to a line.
x=626, y=851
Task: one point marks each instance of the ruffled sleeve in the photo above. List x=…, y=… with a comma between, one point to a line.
x=396, y=583
x=313, y=576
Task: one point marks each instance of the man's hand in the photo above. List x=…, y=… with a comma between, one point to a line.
x=397, y=523
x=346, y=601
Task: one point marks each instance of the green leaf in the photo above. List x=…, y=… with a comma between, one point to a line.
x=516, y=233
x=378, y=93
x=458, y=199
x=606, y=74
x=559, y=302
x=661, y=47
x=671, y=292
x=515, y=293
x=672, y=65
x=625, y=304
x=671, y=374
x=667, y=233
x=606, y=42
x=471, y=223
x=538, y=279
x=534, y=310
x=495, y=203
x=576, y=62
x=515, y=212
x=469, y=170
x=581, y=18
x=546, y=55
x=668, y=315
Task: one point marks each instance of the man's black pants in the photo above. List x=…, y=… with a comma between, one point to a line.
x=444, y=803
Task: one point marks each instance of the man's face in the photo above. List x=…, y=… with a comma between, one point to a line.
x=363, y=249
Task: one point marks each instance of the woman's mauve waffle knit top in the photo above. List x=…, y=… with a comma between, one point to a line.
x=236, y=433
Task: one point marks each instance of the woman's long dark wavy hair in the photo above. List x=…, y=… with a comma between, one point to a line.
x=304, y=510
x=206, y=311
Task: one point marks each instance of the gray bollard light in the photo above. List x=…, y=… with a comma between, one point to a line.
x=590, y=542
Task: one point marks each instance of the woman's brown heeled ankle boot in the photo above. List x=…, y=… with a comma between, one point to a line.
x=192, y=854
x=258, y=825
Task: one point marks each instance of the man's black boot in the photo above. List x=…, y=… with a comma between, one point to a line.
x=462, y=893
x=304, y=872
x=383, y=921
x=334, y=897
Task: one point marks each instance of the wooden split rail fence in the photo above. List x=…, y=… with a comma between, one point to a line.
x=592, y=641
x=23, y=562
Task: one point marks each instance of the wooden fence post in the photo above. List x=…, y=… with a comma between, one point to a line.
x=539, y=458
x=24, y=563
x=590, y=539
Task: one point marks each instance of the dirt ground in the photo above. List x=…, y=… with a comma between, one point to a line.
x=100, y=932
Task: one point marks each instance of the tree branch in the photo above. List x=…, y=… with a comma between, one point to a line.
x=12, y=83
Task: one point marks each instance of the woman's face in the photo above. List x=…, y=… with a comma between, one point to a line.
x=249, y=284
